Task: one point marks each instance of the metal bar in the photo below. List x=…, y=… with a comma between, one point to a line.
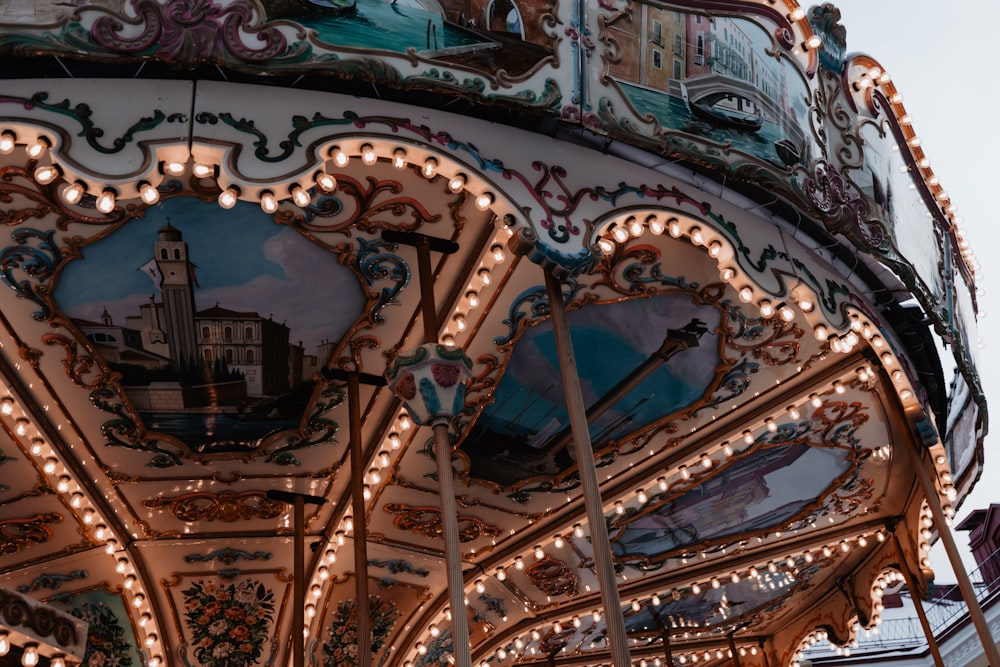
x=299, y=585
x=964, y=584
x=732, y=649
x=364, y=633
x=452, y=555
x=614, y=620
x=462, y=650
x=298, y=502
x=911, y=583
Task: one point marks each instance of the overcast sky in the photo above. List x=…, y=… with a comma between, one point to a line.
x=942, y=65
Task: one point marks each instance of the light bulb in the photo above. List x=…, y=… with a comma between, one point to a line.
x=30, y=656
x=399, y=158
x=325, y=181
x=457, y=182
x=368, y=155
x=228, y=197
x=484, y=201
x=340, y=158
x=268, y=202
x=201, y=170
x=106, y=201
x=73, y=193
x=37, y=148
x=45, y=174
x=300, y=196
x=148, y=193
x=173, y=168
x=430, y=168
x=7, y=143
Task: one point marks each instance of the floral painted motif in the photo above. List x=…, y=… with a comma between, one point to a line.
x=229, y=624
x=107, y=642
x=342, y=646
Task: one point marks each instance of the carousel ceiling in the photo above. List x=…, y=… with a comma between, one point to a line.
x=193, y=267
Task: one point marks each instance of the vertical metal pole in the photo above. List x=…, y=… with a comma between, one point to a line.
x=614, y=620
x=452, y=555
x=732, y=649
x=667, y=650
x=760, y=643
x=964, y=584
x=442, y=452
x=360, y=524
x=299, y=585
x=427, y=309
x=911, y=583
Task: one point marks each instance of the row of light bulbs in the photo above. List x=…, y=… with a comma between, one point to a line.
x=105, y=201
x=480, y=280
x=787, y=567
x=67, y=487
x=687, y=475
x=30, y=655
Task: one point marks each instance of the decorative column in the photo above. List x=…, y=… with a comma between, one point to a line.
x=431, y=382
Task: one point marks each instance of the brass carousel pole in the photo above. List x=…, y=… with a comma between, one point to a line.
x=440, y=397
x=361, y=606
x=732, y=649
x=964, y=583
x=298, y=501
x=614, y=620
x=911, y=583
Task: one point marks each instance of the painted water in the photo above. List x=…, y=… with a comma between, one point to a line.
x=673, y=113
x=391, y=26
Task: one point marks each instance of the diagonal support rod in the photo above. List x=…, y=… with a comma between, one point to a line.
x=911, y=583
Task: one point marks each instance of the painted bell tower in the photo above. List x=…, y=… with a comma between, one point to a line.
x=177, y=286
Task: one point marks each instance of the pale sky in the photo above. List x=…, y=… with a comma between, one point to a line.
x=943, y=66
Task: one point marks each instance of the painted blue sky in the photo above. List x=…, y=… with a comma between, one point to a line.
x=244, y=262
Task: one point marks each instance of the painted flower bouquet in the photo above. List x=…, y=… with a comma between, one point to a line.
x=341, y=648
x=229, y=624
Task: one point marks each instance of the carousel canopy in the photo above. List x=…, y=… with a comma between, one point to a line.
x=245, y=236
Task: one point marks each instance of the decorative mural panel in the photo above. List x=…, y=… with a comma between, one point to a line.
x=760, y=492
x=523, y=435
x=110, y=636
x=215, y=351
x=226, y=620
x=713, y=607
x=728, y=82
x=497, y=50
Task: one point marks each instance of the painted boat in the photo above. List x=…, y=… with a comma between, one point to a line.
x=705, y=109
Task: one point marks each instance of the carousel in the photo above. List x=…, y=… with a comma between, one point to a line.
x=461, y=332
